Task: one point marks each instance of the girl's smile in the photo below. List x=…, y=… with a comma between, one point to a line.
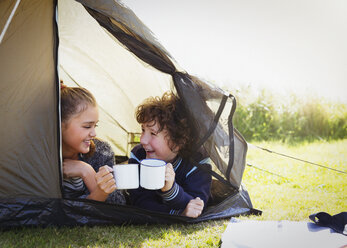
x=78, y=132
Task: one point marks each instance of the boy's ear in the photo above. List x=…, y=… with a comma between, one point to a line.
x=175, y=148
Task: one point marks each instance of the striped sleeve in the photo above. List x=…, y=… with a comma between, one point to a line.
x=194, y=183
x=171, y=194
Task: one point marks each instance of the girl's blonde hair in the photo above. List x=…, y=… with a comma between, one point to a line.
x=74, y=100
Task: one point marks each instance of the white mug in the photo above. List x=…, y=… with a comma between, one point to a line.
x=152, y=173
x=126, y=176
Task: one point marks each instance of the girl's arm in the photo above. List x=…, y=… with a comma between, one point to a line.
x=105, y=184
x=100, y=185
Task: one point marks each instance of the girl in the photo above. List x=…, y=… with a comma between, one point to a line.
x=83, y=154
x=167, y=135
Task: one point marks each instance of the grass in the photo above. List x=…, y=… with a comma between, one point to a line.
x=293, y=191
x=300, y=189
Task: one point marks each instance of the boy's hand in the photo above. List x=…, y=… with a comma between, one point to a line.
x=169, y=177
x=194, y=208
x=105, y=180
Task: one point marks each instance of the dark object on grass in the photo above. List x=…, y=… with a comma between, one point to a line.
x=338, y=222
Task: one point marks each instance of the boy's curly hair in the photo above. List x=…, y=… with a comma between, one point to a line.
x=169, y=112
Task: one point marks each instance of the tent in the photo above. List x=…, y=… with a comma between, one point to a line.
x=104, y=47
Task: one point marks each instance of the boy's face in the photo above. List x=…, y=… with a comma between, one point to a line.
x=78, y=132
x=156, y=144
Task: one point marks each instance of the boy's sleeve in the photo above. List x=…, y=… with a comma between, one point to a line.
x=147, y=199
x=143, y=198
x=197, y=184
x=174, y=201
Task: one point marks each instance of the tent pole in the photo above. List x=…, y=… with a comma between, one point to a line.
x=9, y=20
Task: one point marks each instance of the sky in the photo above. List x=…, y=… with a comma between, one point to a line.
x=296, y=46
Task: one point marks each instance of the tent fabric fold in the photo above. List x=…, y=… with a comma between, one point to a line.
x=104, y=47
x=147, y=52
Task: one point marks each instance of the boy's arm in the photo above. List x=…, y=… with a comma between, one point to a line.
x=197, y=184
x=194, y=208
x=143, y=198
x=147, y=199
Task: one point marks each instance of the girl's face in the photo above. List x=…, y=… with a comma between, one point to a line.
x=78, y=131
x=156, y=144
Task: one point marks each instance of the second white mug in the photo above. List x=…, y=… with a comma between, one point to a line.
x=152, y=173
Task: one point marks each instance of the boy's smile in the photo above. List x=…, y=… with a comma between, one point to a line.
x=156, y=144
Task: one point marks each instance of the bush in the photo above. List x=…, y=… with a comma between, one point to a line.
x=267, y=117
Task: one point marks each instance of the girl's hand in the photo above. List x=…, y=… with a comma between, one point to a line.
x=74, y=168
x=169, y=177
x=194, y=208
x=105, y=180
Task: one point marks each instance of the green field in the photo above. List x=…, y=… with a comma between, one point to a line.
x=298, y=189
x=284, y=189
x=265, y=116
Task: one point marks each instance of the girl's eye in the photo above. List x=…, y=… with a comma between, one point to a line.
x=90, y=126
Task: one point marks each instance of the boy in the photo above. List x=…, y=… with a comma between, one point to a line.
x=167, y=135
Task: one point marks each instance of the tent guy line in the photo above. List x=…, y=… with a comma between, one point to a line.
x=258, y=168
x=9, y=21
x=299, y=159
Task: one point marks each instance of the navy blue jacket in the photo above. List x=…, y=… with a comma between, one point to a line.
x=190, y=182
